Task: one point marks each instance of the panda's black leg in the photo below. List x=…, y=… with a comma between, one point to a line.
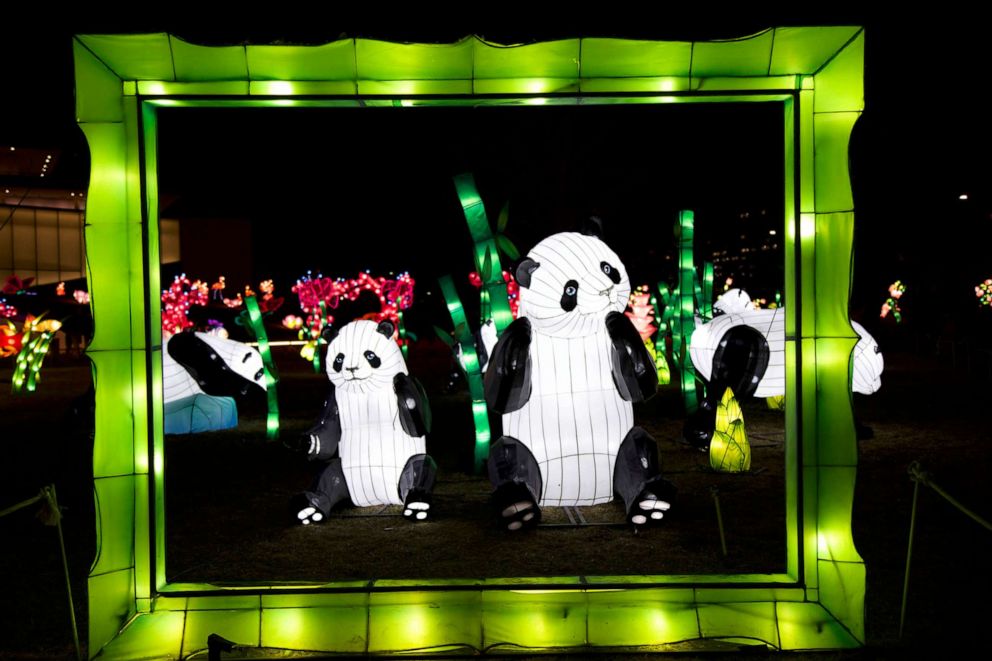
x=516, y=479
x=698, y=428
x=417, y=487
x=328, y=490
x=647, y=496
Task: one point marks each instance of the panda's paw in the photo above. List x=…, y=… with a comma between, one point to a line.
x=517, y=508
x=652, y=505
x=306, y=510
x=417, y=506
x=648, y=510
x=309, y=515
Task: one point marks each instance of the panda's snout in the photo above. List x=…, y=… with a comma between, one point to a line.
x=352, y=369
x=607, y=291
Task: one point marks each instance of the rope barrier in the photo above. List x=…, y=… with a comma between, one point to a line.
x=918, y=477
x=54, y=518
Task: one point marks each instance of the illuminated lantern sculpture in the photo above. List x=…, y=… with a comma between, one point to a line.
x=201, y=373
x=744, y=349
x=6, y=310
x=891, y=304
x=564, y=375
x=729, y=450
x=984, y=292
x=370, y=434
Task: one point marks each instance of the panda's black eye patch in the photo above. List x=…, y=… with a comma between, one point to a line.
x=612, y=272
x=373, y=359
x=259, y=373
x=569, y=296
x=247, y=356
x=338, y=362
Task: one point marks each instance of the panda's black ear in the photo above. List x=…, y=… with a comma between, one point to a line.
x=328, y=333
x=525, y=269
x=386, y=328
x=593, y=227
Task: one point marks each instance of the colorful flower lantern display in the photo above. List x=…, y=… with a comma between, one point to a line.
x=292, y=322
x=370, y=434
x=572, y=351
x=891, y=304
x=642, y=315
x=7, y=311
x=984, y=293
x=81, y=296
x=317, y=295
x=177, y=301
x=11, y=340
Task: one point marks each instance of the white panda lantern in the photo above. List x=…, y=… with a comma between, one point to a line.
x=197, y=363
x=757, y=337
x=564, y=375
x=201, y=373
x=370, y=434
x=744, y=349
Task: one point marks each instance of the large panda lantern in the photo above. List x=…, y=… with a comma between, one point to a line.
x=564, y=376
x=370, y=435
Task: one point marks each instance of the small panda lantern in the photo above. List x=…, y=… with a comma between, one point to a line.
x=564, y=376
x=371, y=431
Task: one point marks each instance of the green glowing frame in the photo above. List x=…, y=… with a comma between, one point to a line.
x=816, y=77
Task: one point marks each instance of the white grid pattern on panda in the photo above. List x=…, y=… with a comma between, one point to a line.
x=565, y=257
x=770, y=323
x=176, y=381
x=574, y=421
x=866, y=375
x=373, y=447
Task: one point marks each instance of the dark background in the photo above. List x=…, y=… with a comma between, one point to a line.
x=922, y=141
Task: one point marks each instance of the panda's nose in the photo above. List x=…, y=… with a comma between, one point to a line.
x=607, y=291
x=352, y=369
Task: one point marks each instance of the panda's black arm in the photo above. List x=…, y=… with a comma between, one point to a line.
x=415, y=411
x=634, y=373
x=507, y=381
x=321, y=440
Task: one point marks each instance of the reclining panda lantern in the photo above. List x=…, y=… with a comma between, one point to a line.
x=564, y=376
x=743, y=348
x=370, y=434
x=201, y=374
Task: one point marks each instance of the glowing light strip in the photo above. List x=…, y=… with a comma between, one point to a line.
x=684, y=323
x=29, y=362
x=473, y=371
x=494, y=292
x=271, y=376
